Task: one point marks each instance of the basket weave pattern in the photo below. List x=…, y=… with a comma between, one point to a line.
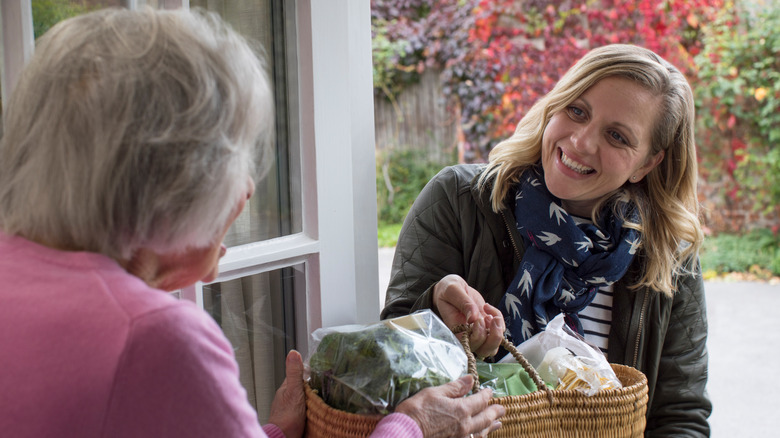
x=323, y=421
x=610, y=413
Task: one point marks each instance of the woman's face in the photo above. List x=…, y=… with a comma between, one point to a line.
x=599, y=142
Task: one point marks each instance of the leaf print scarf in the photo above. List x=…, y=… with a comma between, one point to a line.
x=564, y=264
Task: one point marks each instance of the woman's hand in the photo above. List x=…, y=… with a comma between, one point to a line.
x=442, y=411
x=288, y=410
x=458, y=303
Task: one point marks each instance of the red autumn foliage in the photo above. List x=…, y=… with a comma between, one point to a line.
x=499, y=56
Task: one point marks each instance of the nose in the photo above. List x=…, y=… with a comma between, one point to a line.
x=585, y=139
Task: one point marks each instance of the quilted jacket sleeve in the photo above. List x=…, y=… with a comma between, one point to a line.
x=680, y=405
x=429, y=246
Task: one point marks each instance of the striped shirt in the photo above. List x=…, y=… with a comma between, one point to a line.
x=596, y=319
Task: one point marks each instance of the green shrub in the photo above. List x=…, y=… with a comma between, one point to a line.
x=738, y=102
x=388, y=235
x=756, y=251
x=401, y=175
x=47, y=13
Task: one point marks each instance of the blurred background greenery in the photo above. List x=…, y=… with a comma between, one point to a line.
x=480, y=64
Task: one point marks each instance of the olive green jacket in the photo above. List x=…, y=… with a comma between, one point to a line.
x=451, y=229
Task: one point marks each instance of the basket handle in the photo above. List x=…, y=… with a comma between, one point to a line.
x=463, y=331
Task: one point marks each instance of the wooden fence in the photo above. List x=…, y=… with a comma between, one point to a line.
x=418, y=119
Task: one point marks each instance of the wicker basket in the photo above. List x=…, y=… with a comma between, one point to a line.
x=609, y=413
x=544, y=413
x=326, y=422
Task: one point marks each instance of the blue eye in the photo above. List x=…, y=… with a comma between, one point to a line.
x=616, y=136
x=576, y=112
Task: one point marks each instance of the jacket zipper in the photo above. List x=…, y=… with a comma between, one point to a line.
x=641, y=324
x=509, y=232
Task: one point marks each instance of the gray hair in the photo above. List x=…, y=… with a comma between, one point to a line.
x=131, y=129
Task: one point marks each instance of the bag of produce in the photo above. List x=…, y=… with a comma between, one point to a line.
x=505, y=379
x=370, y=369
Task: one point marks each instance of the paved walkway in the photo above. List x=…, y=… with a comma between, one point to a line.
x=744, y=348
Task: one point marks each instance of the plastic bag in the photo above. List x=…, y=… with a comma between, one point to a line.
x=565, y=360
x=370, y=369
x=505, y=379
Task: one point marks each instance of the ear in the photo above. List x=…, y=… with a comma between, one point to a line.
x=649, y=165
x=144, y=264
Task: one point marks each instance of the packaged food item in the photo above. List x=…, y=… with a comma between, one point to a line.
x=370, y=369
x=561, y=369
x=565, y=361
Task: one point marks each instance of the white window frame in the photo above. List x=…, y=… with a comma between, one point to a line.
x=335, y=140
x=18, y=42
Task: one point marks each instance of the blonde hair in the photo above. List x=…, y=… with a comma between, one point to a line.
x=666, y=199
x=132, y=129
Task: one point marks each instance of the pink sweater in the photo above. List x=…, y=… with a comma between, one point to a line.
x=87, y=350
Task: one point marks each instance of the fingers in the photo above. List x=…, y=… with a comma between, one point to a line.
x=490, y=310
x=488, y=337
x=453, y=301
x=443, y=411
x=492, y=339
x=457, y=388
x=458, y=303
x=485, y=417
x=288, y=408
x=469, y=309
x=294, y=367
x=494, y=425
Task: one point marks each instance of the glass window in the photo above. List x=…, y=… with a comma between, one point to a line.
x=2, y=57
x=47, y=13
x=274, y=210
x=257, y=314
x=257, y=311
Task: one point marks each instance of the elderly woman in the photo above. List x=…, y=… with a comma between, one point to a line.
x=129, y=150
x=588, y=209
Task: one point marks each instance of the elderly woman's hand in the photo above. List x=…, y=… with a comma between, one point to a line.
x=458, y=303
x=288, y=410
x=442, y=411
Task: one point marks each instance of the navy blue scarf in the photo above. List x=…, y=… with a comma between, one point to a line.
x=564, y=264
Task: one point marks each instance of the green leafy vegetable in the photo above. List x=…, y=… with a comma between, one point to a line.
x=372, y=369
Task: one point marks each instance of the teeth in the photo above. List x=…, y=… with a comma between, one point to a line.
x=573, y=165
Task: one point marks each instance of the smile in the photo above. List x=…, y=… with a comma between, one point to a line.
x=571, y=164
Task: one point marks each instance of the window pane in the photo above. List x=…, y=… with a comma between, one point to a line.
x=257, y=314
x=47, y=13
x=273, y=211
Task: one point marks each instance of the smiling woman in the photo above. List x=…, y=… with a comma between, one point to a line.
x=600, y=141
x=588, y=209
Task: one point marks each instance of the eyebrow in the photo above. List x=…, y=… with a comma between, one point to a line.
x=632, y=141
